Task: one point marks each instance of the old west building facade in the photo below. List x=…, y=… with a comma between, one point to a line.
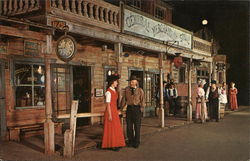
x=110, y=38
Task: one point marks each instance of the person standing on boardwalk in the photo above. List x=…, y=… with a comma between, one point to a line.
x=134, y=99
x=233, y=97
x=201, y=108
x=113, y=137
x=172, y=98
x=223, y=93
x=213, y=98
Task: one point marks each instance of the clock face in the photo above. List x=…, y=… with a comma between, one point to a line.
x=66, y=48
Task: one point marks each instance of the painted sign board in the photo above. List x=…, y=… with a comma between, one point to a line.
x=147, y=27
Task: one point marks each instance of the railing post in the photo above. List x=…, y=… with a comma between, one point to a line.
x=91, y=10
x=97, y=12
x=15, y=6
x=73, y=6
x=67, y=5
x=10, y=6
x=85, y=8
x=79, y=7
x=101, y=14
x=111, y=17
x=115, y=18
x=53, y=3
x=26, y=5
x=106, y=15
x=32, y=4
x=5, y=9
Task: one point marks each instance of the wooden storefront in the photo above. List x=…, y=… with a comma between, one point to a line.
x=104, y=46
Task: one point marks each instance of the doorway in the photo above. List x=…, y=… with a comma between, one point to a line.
x=82, y=91
x=151, y=90
x=2, y=102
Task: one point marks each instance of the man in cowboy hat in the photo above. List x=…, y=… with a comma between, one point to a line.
x=213, y=97
x=172, y=98
x=134, y=99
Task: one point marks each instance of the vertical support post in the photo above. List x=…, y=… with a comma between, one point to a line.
x=69, y=136
x=190, y=109
x=161, y=110
x=49, y=129
x=210, y=71
x=118, y=50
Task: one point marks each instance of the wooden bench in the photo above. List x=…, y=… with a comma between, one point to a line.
x=16, y=132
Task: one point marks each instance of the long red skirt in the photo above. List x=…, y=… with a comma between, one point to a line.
x=233, y=102
x=113, y=133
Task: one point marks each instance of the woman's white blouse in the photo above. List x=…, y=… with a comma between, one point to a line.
x=108, y=95
x=200, y=92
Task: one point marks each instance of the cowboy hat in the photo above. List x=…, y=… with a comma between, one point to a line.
x=213, y=82
x=133, y=77
x=113, y=77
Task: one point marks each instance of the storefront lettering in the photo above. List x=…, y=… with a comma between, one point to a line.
x=133, y=20
x=145, y=26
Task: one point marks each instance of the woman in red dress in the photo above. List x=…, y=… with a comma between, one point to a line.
x=113, y=137
x=233, y=98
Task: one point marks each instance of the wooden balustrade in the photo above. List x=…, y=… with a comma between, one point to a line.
x=16, y=7
x=97, y=11
x=200, y=45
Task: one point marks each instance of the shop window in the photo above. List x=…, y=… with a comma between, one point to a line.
x=202, y=74
x=30, y=85
x=182, y=75
x=134, y=3
x=159, y=13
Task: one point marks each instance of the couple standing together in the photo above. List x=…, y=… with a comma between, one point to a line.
x=113, y=137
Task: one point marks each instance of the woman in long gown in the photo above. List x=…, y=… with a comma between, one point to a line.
x=233, y=97
x=113, y=137
x=201, y=108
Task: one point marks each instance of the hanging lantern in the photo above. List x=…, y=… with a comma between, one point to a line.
x=178, y=62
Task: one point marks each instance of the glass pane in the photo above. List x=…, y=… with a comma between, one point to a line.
x=39, y=96
x=198, y=72
x=23, y=96
x=39, y=76
x=23, y=74
x=61, y=82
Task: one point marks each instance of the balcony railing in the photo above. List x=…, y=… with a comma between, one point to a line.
x=94, y=12
x=16, y=7
x=202, y=46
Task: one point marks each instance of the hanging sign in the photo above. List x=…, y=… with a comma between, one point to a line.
x=66, y=48
x=31, y=48
x=178, y=62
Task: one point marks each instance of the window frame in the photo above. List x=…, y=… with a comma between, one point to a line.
x=184, y=76
x=157, y=7
x=205, y=74
x=134, y=4
x=33, y=85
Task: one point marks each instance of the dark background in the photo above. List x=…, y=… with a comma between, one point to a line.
x=229, y=23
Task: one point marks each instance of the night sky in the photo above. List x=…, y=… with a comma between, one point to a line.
x=229, y=23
